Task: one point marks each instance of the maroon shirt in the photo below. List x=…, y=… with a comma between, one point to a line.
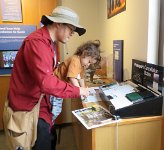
x=33, y=74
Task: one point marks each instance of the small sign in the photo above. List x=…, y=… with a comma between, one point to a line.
x=11, y=10
x=11, y=38
x=118, y=60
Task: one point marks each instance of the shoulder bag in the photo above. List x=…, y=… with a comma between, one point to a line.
x=21, y=126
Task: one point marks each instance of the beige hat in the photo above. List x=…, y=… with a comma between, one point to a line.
x=63, y=14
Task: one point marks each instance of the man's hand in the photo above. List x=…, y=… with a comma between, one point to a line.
x=84, y=91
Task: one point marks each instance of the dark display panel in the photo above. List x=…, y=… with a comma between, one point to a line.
x=148, y=75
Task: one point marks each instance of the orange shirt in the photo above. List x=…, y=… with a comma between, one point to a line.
x=71, y=67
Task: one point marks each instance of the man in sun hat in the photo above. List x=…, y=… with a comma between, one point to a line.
x=32, y=73
x=64, y=15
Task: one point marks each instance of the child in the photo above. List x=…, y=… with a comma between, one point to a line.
x=72, y=69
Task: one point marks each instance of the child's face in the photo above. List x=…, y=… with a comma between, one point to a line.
x=86, y=61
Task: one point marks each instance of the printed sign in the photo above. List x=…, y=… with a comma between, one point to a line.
x=118, y=60
x=11, y=10
x=12, y=36
x=149, y=75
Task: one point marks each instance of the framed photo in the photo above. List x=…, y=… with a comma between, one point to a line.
x=11, y=10
x=7, y=58
x=114, y=7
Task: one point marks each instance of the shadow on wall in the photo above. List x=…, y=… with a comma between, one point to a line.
x=126, y=74
x=106, y=66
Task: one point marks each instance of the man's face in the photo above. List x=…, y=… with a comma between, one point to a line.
x=64, y=32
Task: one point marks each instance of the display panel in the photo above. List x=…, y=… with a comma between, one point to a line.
x=7, y=58
x=148, y=75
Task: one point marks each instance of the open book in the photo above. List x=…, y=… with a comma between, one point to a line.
x=93, y=117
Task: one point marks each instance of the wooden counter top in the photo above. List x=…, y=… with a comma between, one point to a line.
x=122, y=121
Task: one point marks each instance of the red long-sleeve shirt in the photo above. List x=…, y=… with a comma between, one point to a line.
x=32, y=75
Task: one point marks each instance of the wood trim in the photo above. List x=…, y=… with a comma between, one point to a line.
x=162, y=138
x=140, y=119
x=137, y=120
x=93, y=139
x=4, y=82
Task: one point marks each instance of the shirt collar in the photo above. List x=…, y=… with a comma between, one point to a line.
x=45, y=33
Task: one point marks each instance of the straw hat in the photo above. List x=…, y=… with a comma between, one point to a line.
x=63, y=14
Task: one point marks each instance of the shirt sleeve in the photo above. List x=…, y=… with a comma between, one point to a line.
x=82, y=74
x=74, y=68
x=39, y=60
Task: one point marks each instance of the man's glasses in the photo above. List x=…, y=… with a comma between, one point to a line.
x=72, y=28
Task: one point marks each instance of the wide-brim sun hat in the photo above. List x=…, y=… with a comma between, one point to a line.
x=66, y=15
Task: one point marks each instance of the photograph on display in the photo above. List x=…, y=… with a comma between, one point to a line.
x=7, y=59
x=92, y=117
x=114, y=7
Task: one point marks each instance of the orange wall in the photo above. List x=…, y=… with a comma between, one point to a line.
x=32, y=11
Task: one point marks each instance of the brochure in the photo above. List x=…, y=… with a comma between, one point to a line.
x=93, y=96
x=93, y=117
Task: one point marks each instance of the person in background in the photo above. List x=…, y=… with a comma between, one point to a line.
x=32, y=73
x=72, y=69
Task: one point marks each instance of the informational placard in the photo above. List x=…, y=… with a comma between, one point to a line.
x=118, y=60
x=11, y=10
x=149, y=75
x=12, y=36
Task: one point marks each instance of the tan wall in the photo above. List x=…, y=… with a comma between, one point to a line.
x=4, y=85
x=87, y=10
x=130, y=26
